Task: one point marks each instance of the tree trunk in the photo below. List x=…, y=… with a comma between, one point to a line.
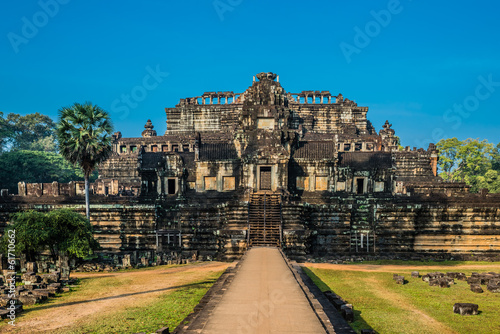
x=87, y=201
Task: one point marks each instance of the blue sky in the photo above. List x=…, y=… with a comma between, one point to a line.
x=431, y=68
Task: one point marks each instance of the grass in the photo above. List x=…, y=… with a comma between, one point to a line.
x=146, y=313
x=417, y=263
x=415, y=307
x=168, y=310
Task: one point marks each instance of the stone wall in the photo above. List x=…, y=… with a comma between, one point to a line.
x=118, y=226
x=215, y=227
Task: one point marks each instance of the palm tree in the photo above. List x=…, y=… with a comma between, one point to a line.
x=84, y=133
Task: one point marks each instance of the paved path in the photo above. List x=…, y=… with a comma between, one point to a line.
x=263, y=298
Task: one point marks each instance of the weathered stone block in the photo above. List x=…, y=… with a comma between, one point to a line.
x=50, y=278
x=400, y=280
x=31, y=267
x=415, y=274
x=495, y=288
x=476, y=288
x=465, y=308
x=348, y=314
x=29, y=299
x=473, y=280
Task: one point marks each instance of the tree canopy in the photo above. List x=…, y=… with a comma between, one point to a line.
x=472, y=161
x=36, y=167
x=34, y=132
x=28, y=152
x=62, y=232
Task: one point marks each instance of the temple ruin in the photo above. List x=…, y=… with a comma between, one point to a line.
x=306, y=171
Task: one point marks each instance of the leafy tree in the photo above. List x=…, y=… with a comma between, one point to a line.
x=490, y=181
x=448, y=149
x=70, y=233
x=30, y=132
x=36, y=167
x=84, y=133
x=5, y=132
x=470, y=161
x=63, y=232
x=31, y=234
x=495, y=158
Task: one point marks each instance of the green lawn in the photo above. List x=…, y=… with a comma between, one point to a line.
x=415, y=307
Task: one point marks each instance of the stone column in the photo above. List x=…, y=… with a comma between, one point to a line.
x=55, y=188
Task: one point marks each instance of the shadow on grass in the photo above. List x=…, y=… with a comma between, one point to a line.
x=51, y=305
x=359, y=323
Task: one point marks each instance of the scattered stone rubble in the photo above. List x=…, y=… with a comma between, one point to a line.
x=490, y=279
x=35, y=288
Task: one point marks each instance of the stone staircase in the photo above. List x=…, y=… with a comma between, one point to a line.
x=264, y=219
x=362, y=229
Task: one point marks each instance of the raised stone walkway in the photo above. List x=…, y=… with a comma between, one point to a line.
x=264, y=297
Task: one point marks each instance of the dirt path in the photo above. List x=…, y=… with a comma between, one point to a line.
x=396, y=268
x=126, y=289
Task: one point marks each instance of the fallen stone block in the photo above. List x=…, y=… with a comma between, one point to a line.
x=50, y=278
x=495, y=288
x=334, y=299
x=29, y=299
x=465, y=308
x=476, y=288
x=456, y=275
x=348, y=314
x=4, y=301
x=444, y=283
x=4, y=313
x=473, y=280
x=349, y=306
x=400, y=280
x=44, y=292
x=415, y=274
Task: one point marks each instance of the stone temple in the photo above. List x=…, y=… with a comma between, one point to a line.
x=306, y=171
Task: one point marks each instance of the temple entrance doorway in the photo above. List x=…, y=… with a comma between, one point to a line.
x=265, y=178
